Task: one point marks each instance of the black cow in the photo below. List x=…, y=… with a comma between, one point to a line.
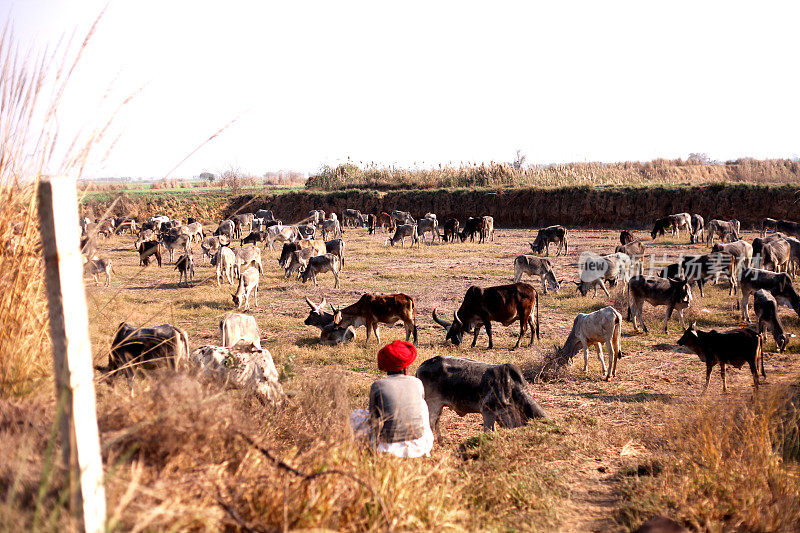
x=471, y=227
x=136, y=347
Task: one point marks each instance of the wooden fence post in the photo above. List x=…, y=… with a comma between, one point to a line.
x=72, y=351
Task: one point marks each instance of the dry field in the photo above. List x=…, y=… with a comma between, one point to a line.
x=565, y=474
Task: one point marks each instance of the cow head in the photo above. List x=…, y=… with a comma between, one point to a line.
x=536, y=246
x=455, y=329
x=684, y=290
x=317, y=316
x=690, y=338
x=782, y=341
x=583, y=287
x=236, y=300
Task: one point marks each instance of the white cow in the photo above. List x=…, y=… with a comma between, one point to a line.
x=236, y=327
x=594, y=329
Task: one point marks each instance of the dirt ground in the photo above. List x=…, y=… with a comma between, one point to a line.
x=654, y=380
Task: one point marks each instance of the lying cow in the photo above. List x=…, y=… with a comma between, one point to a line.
x=675, y=294
x=536, y=266
x=504, y=303
x=134, y=348
x=330, y=334
x=237, y=327
x=498, y=392
x=554, y=234
x=594, y=329
x=735, y=347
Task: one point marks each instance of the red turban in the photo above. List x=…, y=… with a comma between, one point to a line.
x=396, y=356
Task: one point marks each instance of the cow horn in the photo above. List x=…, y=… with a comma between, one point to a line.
x=456, y=320
x=311, y=305
x=322, y=304
x=443, y=323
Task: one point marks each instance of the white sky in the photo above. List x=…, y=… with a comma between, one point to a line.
x=316, y=82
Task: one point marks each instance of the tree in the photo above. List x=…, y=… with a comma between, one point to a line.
x=698, y=157
x=519, y=160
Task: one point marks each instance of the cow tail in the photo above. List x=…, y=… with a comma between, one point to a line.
x=566, y=244
x=538, y=337
x=414, y=320
x=183, y=352
x=616, y=338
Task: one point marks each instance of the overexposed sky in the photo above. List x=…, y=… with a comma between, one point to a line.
x=424, y=82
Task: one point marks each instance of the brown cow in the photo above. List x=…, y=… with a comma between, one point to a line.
x=373, y=309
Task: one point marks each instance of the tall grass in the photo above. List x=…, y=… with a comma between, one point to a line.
x=499, y=175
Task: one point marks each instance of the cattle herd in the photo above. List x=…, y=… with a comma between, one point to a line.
x=764, y=268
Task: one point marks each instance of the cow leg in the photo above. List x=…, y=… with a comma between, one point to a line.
x=709, y=368
x=255, y=290
x=722, y=373
x=475, y=338
x=600, y=356
x=523, y=325
x=377, y=333
x=369, y=330
x=488, y=419
x=743, y=305
x=533, y=328
x=666, y=318
x=488, y=325
x=680, y=315
x=602, y=286
x=754, y=370
x=585, y=358
x=436, y=411
x=336, y=277
x=314, y=277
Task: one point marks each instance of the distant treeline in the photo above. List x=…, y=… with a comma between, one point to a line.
x=503, y=175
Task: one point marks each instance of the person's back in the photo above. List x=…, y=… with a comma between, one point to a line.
x=397, y=408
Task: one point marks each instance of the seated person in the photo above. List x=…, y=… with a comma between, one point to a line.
x=397, y=421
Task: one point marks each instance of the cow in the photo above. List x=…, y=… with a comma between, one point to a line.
x=675, y=294
x=254, y=237
x=266, y=214
x=195, y=230
x=331, y=227
x=330, y=334
x=789, y=228
x=298, y=260
x=134, y=347
x=336, y=247
x=766, y=309
x=428, y=225
x=758, y=244
x=594, y=329
x=536, y=266
x=105, y=227
x=768, y=224
x=626, y=237
x=777, y=284
x=634, y=250
x=698, y=229
x=794, y=255
x=554, y=234
x=385, y=221
x=741, y=251
x=471, y=227
x=450, y=230
x=209, y=246
x=698, y=269
x=225, y=261
x=596, y=270
x=148, y=249
x=289, y=247
x=96, y=266
x=175, y=242
x=775, y=255
x=144, y=236
x=314, y=216
x=373, y=309
x=242, y=222
x=675, y=223
x=503, y=303
x=248, y=256
x=402, y=232
x=735, y=347
x=723, y=229
x=185, y=267
x=402, y=217
x=124, y=223
x=307, y=231
x=351, y=217
x=282, y=234
x=248, y=282
x=372, y=223
x=236, y=327
x=487, y=229
x=320, y=264
x=227, y=228
x=498, y=392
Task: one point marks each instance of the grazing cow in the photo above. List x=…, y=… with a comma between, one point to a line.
x=724, y=229
x=242, y=366
x=758, y=244
x=185, y=268
x=789, y=228
x=148, y=249
x=242, y=222
x=768, y=224
x=330, y=334
x=504, y=303
x=266, y=214
x=124, y=223
x=766, y=309
x=536, y=266
x=794, y=255
x=105, y=227
x=775, y=255
x=777, y=284
x=487, y=229
x=554, y=234
x=133, y=348
x=298, y=260
x=227, y=228
x=225, y=261
x=320, y=264
x=314, y=216
x=498, y=392
x=614, y=267
x=401, y=233
x=634, y=250
x=145, y=235
x=307, y=231
x=351, y=217
x=402, y=217
x=428, y=225
x=175, y=242
x=698, y=269
x=335, y=247
x=675, y=294
x=741, y=251
x=236, y=327
x=471, y=227
x=248, y=282
x=96, y=266
x=385, y=221
x=373, y=309
x=735, y=347
x=195, y=230
x=450, y=230
x=698, y=229
x=209, y=246
x=289, y=247
x=254, y=237
x=332, y=227
x=372, y=223
x=674, y=223
x=248, y=256
x=282, y=234
x=625, y=237
x=594, y=329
